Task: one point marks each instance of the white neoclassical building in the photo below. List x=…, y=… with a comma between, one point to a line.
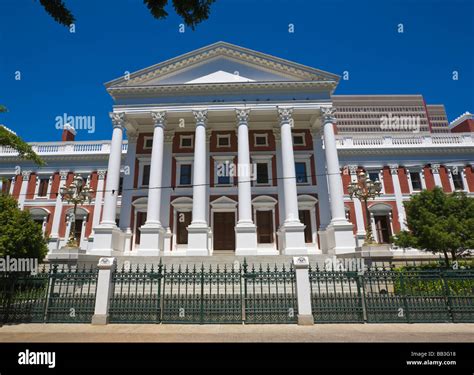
x=229, y=150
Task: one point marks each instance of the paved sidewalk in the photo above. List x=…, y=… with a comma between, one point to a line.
x=238, y=333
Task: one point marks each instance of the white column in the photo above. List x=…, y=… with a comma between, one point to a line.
x=198, y=230
x=54, y=237
x=360, y=234
x=436, y=176
x=150, y=232
x=99, y=196
x=128, y=178
x=245, y=230
x=166, y=193
x=340, y=236
x=398, y=195
x=24, y=188
x=292, y=230
x=107, y=234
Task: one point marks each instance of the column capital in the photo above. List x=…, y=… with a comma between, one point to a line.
x=118, y=119
x=393, y=168
x=63, y=175
x=101, y=173
x=435, y=168
x=200, y=116
x=353, y=169
x=277, y=134
x=132, y=136
x=327, y=113
x=242, y=115
x=285, y=114
x=26, y=175
x=169, y=135
x=159, y=118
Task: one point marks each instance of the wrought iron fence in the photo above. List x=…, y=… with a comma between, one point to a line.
x=270, y=294
x=60, y=295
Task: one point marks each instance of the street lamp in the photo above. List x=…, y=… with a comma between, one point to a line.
x=77, y=193
x=365, y=189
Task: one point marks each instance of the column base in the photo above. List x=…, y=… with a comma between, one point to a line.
x=292, y=236
x=106, y=240
x=198, y=240
x=245, y=239
x=305, y=320
x=340, y=238
x=150, y=240
x=100, y=319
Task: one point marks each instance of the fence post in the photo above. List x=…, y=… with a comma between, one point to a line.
x=104, y=290
x=303, y=291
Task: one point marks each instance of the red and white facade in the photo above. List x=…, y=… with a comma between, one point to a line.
x=228, y=150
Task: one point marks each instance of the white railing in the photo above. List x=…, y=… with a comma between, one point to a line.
x=66, y=148
x=403, y=141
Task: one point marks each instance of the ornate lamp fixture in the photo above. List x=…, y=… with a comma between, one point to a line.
x=77, y=193
x=365, y=189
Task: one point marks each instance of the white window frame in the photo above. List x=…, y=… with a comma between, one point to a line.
x=50, y=183
x=223, y=136
x=302, y=134
x=461, y=171
x=307, y=160
x=255, y=135
x=422, y=178
x=180, y=160
x=145, y=139
x=257, y=159
x=141, y=172
x=181, y=137
x=380, y=173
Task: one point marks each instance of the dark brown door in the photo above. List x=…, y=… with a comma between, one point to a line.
x=184, y=219
x=141, y=219
x=264, y=227
x=382, y=227
x=305, y=218
x=224, y=231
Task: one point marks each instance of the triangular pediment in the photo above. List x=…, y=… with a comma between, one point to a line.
x=222, y=63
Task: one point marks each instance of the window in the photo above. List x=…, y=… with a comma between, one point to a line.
x=223, y=180
x=374, y=176
x=298, y=139
x=415, y=180
x=146, y=175
x=262, y=173
x=43, y=187
x=300, y=169
x=185, y=174
x=186, y=141
x=261, y=140
x=457, y=179
x=223, y=140
x=148, y=143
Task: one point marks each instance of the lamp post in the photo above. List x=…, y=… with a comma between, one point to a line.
x=365, y=189
x=77, y=193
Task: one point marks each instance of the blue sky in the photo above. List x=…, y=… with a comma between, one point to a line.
x=63, y=72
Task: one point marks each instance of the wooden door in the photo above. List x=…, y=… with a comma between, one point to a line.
x=305, y=218
x=264, y=227
x=224, y=231
x=382, y=226
x=184, y=219
x=141, y=219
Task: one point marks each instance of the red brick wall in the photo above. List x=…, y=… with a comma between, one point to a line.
x=387, y=181
x=429, y=179
x=403, y=178
x=443, y=174
x=308, y=140
x=466, y=126
x=176, y=143
x=470, y=177
x=30, y=190
x=271, y=140
x=233, y=142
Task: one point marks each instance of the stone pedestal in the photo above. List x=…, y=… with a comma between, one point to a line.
x=65, y=254
x=293, y=239
x=246, y=239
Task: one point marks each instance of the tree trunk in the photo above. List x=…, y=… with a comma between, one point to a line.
x=446, y=258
